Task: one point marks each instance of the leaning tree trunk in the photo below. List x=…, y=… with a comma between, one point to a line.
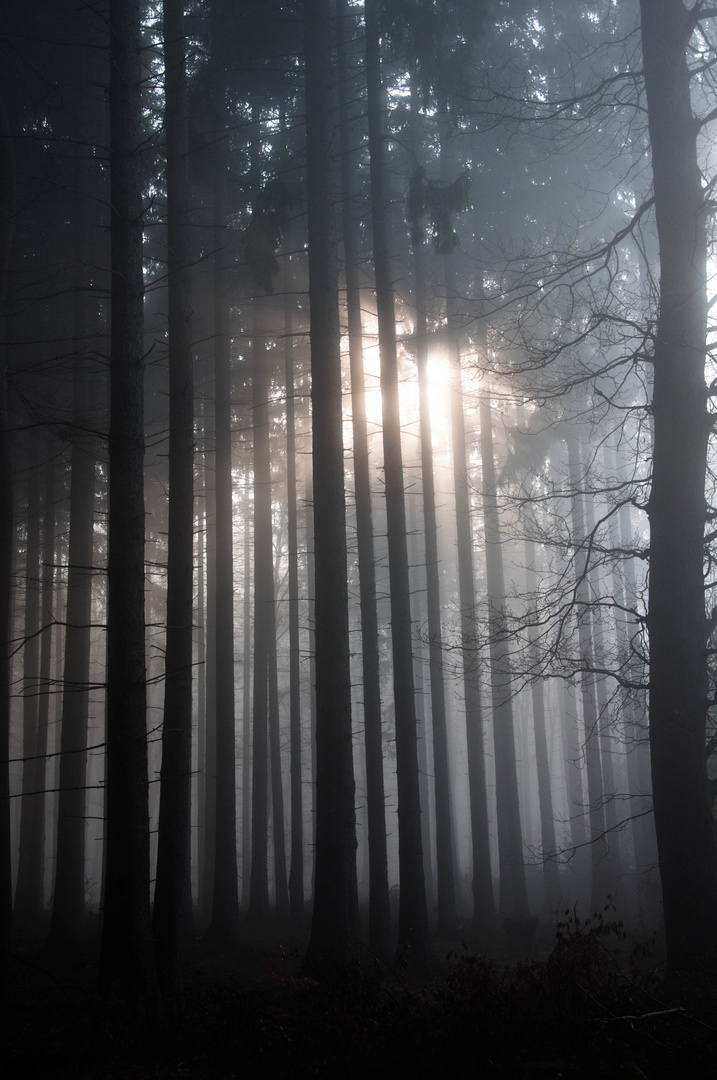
x=335, y=922
x=173, y=896
x=126, y=956
x=379, y=917
x=676, y=606
x=413, y=931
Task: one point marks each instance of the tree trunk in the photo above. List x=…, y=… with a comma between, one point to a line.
x=173, y=897
x=335, y=922
x=225, y=904
x=296, y=869
x=676, y=607
x=445, y=884
x=482, y=879
x=591, y=743
x=7, y=531
x=126, y=955
x=379, y=917
x=513, y=892
x=263, y=622
x=413, y=931
x=28, y=888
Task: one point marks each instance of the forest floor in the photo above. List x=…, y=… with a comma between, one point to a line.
x=592, y=1005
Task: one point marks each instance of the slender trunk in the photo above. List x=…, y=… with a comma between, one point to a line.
x=446, y=893
x=172, y=897
x=263, y=622
x=591, y=742
x=225, y=906
x=482, y=880
x=335, y=922
x=296, y=871
x=281, y=888
x=7, y=532
x=413, y=931
x=28, y=886
x=126, y=955
x=246, y=795
x=68, y=909
x=513, y=892
x=551, y=873
x=379, y=918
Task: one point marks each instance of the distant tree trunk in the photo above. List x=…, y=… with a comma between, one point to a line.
x=482, y=880
x=281, y=888
x=209, y=762
x=225, y=904
x=7, y=218
x=47, y=603
x=446, y=891
x=68, y=909
x=591, y=743
x=551, y=872
x=413, y=931
x=126, y=955
x=637, y=757
x=172, y=897
x=296, y=870
x=335, y=921
x=263, y=621
x=246, y=796
x=379, y=918
x=28, y=888
x=513, y=891
x=676, y=608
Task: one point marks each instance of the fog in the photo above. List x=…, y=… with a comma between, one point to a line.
x=357, y=493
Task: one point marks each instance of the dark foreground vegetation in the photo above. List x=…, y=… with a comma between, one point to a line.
x=594, y=1002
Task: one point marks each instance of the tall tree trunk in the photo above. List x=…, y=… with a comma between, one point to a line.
x=413, y=931
x=225, y=904
x=68, y=909
x=446, y=891
x=246, y=761
x=335, y=922
x=172, y=897
x=591, y=741
x=482, y=880
x=126, y=955
x=263, y=621
x=296, y=870
x=28, y=888
x=7, y=531
x=379, y=917
x=513, y=892
x=551, y=872
x=676, y=607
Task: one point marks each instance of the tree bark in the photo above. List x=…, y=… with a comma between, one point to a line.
x=379, y=917
x=126, y=955
x=676, y=607
x=172, y=897
x=413, y=931
x=335, y=922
